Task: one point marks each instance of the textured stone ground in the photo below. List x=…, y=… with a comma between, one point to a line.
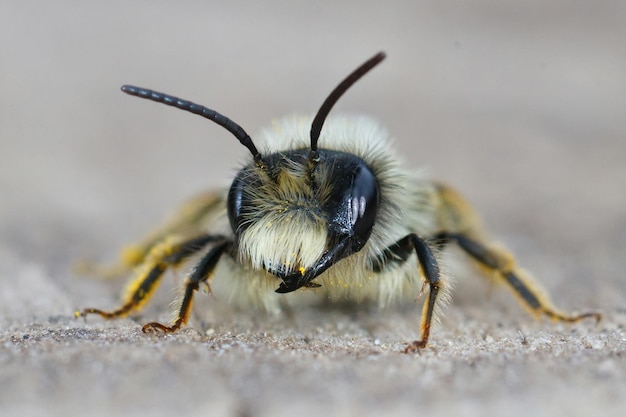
x=521, y=107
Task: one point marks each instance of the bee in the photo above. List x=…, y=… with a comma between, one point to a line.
x=326, y=210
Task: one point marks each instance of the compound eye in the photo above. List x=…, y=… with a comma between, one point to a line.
x=236, y=202
x=363, y=201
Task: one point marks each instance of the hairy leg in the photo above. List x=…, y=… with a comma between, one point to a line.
x=399, y=253
x=167, y=254
x=201, y=273
x=458, y=224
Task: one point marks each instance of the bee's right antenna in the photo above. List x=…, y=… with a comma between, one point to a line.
x=320, y=117
x=200, y=110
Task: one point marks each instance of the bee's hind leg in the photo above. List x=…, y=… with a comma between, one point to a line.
x=501, y=265
x=166, y=254
x=458, y=224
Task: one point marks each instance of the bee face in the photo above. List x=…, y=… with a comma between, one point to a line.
x=298, y=211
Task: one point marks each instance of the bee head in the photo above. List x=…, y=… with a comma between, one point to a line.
x=296, y=212
x=294, y=218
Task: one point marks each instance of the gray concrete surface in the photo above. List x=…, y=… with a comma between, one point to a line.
x=520, y=105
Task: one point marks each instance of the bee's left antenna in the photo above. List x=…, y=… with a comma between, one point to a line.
x=320, y=117
x=200, y=110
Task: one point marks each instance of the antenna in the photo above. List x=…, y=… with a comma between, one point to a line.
x=320, y=117
x=198, y=109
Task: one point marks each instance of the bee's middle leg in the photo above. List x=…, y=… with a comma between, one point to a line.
x=201, y=273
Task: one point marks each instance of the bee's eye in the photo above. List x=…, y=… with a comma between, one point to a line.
x=353, y=205
x=363, y=201
x=236, y=200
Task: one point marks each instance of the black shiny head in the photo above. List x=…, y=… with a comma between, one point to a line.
x=339, y=192
x=347, y=199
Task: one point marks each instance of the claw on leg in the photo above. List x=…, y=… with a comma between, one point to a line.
x=415, y=347
x=169, y=253
x=158, y=327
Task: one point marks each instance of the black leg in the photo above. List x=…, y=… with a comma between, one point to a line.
x=201, y=273
x=499, y=262
x=399, y=253
x=166, y=254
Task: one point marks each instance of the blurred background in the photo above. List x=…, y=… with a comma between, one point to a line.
x=520, y=105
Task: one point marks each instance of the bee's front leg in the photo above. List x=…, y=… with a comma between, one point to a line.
x=399, y=253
